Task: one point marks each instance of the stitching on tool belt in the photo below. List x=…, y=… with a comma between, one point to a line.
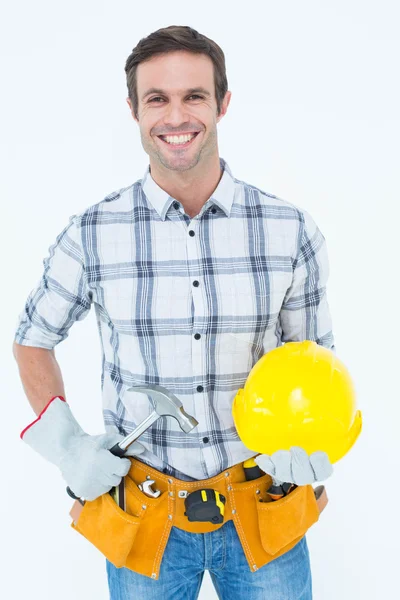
x=246, y=487
x=189, y=484
x=161, y=545
x=168, y=526
x=122, y=516
x=237, y=519
x=287, y=499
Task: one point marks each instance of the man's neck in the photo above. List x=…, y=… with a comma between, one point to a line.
x=192, y=188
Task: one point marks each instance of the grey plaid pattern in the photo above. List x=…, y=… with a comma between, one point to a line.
x=189, y=304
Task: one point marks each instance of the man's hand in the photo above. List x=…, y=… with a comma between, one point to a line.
x=295, y=466
x=90, y=469
x=84, y=460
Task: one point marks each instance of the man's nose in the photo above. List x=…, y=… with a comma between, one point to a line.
x=176, y=113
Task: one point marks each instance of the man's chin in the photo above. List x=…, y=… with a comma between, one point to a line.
x=179, y=163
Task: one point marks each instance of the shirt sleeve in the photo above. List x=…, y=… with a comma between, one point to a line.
x=61, y=297
x=305, y=313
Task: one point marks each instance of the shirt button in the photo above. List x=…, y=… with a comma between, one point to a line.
x=213, y=210
x=205, y=440
x=176, y=205
x=200, y=388
x=196, y=283
x=197, y=336
x=191, y=232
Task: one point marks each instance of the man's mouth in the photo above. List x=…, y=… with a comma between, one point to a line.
x=178, y=141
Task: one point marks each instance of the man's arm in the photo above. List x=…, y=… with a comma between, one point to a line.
x=61, y=298
x=84, y=460
x=40, y=375
x=305, y=312
x=304, y=315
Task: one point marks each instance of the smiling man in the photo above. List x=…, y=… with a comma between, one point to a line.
x=178, y=125
x=194, y=276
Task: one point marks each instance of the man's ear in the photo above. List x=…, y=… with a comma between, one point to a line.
x=128, y=100
x=224, y=106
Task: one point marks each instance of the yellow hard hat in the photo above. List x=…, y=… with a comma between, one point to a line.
x=299, y=394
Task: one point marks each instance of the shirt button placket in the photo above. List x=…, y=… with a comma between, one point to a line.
x=193, y=253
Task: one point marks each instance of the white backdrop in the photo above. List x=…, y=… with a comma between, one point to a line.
x=314, y=119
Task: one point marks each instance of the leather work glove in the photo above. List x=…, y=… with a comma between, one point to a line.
x=295, y=466
x=84, y=460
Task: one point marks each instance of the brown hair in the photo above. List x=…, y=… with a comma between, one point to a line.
x=171, y=39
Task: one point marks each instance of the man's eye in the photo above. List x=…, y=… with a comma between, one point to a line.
x=159, y=97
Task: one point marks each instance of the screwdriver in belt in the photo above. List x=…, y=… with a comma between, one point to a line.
x=276, y=491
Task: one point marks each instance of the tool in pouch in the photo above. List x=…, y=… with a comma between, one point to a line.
x=146, y=488
x=165, y=404
x=275, y=491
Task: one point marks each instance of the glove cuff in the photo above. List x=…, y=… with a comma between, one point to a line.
x=40, y=415
x=52, y=433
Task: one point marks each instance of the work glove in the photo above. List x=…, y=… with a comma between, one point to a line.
x=84, y=460
x=295, y=466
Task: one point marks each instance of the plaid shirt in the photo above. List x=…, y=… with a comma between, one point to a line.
x=187, y=303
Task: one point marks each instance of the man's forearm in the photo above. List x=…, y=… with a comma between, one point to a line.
x=40, y=375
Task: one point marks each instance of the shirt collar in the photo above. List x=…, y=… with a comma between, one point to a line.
x=222, y=196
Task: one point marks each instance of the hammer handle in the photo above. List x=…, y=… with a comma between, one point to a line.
x=117, y=450
x=136, y=433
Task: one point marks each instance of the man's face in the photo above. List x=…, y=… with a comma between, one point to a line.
x=182, y=102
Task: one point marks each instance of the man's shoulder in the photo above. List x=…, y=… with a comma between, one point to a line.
x=120, y=200
x=271, y=200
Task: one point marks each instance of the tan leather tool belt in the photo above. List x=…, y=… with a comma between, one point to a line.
x=136, y=538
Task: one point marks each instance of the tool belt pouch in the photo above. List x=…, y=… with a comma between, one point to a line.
x=284, y=522
x=267, y=528
x=136, y=538
x=107, y=527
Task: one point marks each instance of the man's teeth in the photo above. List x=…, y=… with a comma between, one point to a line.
x=178, y=139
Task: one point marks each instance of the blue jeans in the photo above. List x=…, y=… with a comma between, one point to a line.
x=188, y=555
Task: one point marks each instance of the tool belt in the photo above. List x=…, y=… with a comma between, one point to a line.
x=136, y=538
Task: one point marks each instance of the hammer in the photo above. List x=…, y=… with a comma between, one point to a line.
x=165, y=404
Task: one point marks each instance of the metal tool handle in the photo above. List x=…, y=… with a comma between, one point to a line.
x=136, y=433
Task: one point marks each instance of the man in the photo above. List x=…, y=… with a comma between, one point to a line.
x=194, y=276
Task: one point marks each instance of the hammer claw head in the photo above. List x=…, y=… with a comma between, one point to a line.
x=186, y=422
x=168, y=405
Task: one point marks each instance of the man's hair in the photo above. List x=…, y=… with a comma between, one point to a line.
x=171, y=39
